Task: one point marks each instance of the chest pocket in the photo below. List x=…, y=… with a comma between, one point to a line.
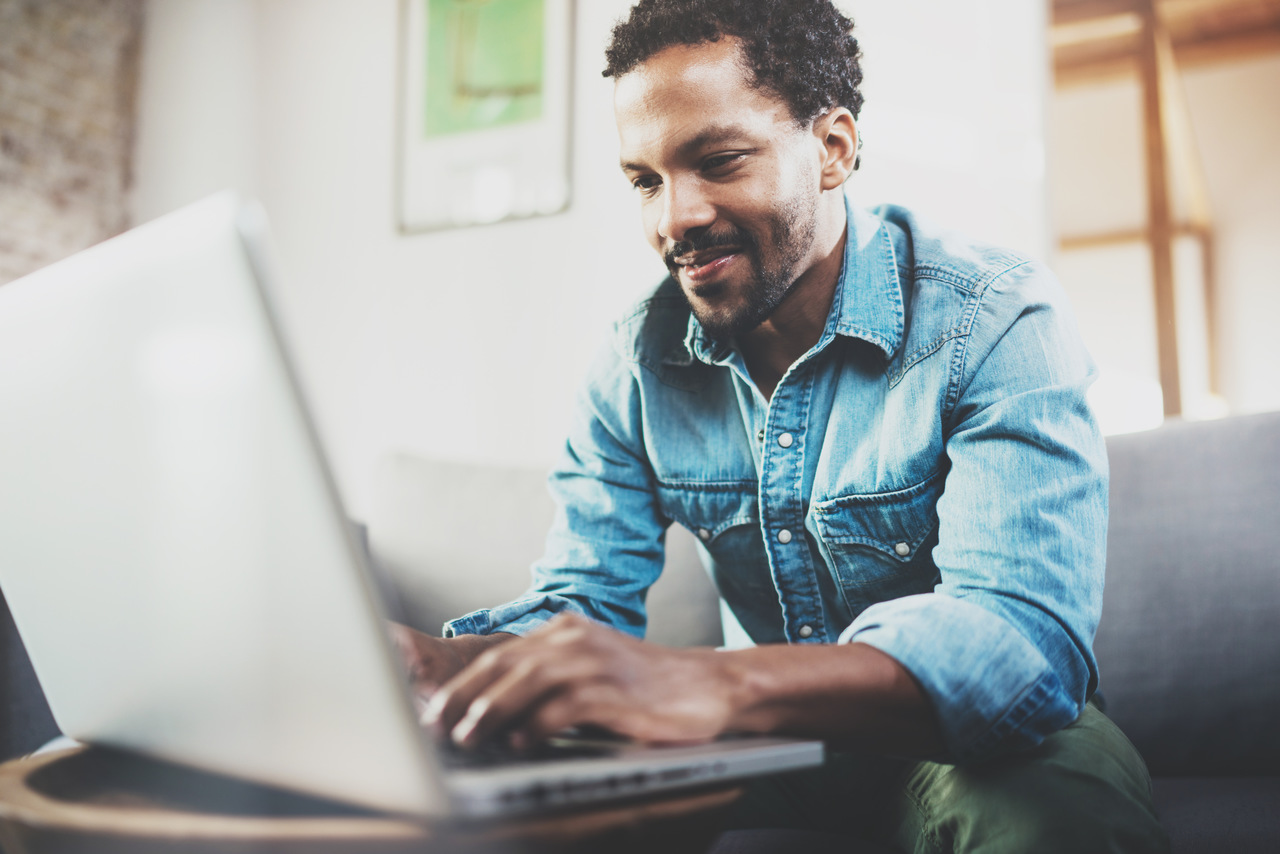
x=725, y=517
x=710, y=510
x=880, y=545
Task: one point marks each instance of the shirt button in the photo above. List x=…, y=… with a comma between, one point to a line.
x=760, y=436
x=902, y=549
x=806, y=631
x=786, y=440
x=784, y=536
x=704, y=534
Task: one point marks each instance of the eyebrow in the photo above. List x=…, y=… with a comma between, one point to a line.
x=711, y=136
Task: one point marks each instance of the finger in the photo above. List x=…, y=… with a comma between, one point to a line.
x=421, y=704
x=592, y=703
x=453, y=700
x=449, y=703
x=520, y=692
x=563, y=638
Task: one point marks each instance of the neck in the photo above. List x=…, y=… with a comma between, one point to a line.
x=798, y=321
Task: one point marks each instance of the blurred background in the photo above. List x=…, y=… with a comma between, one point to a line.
x=1133, y=144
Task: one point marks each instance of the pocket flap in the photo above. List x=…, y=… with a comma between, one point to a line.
x=895, y=523
x=710, y=509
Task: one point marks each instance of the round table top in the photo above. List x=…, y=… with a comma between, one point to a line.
x=105, y=794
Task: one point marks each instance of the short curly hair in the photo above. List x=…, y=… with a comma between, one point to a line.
x=803, y=51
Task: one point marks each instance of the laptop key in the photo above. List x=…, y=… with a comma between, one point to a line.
x=492, y=753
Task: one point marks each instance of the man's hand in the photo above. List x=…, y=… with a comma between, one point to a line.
x=574, y=671
x=432, y=661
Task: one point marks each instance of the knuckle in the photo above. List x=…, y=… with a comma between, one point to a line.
x=528, y=668
x=558, y=714
x=570, y=622
x=490, y=659
x=574, y=635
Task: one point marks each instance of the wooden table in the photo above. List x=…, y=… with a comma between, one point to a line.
x=101, y=801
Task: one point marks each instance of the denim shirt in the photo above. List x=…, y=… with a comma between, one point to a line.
x=928, y=479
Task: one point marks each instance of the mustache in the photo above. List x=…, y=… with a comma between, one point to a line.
x=732, y=236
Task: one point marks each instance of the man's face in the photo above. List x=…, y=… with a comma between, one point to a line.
x=728, y=182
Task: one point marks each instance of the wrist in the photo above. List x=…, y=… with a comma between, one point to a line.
x=746, y=690
x=464, y=649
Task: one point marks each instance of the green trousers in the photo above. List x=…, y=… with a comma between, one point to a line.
x=1084, y=790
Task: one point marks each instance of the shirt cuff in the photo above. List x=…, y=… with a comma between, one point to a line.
x=992, y=689
x=518, y=618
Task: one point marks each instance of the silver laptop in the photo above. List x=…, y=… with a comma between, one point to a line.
x=178, y=562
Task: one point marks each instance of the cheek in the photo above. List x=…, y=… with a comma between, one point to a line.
x=649, y=215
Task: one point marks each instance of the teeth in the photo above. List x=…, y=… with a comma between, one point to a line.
x=692, y=263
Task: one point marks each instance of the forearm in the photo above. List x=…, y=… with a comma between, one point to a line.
x=851, y=695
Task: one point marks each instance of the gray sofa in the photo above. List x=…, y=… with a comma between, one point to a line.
x=1189, y=645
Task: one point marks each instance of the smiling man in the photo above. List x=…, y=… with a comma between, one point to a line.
x=878, y=431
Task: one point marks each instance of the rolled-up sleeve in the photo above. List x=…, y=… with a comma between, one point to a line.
x=1002, y=646
x=606, y=544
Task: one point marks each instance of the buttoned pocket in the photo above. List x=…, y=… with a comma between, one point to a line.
x=725, y=517
x=710, y=510
x=880, y=544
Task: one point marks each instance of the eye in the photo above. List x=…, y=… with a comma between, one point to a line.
x=646, y=184
x=721, y=163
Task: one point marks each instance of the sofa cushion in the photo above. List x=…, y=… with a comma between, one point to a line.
x=1189, y=647
x=1211, y=815
x=786, y=841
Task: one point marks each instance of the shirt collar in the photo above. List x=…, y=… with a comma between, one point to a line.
x=867, y=303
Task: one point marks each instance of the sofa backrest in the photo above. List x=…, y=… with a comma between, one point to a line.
x=1189, y=644
x=1188, y=647
x=454, y=537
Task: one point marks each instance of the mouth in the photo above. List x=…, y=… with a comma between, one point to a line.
x=701, y=267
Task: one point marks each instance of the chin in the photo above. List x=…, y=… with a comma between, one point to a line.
x=722, y=325
x=704, y=290
x=720, y=308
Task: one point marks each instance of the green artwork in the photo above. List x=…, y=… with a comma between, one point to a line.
x=484, y=64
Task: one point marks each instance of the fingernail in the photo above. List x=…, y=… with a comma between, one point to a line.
x=462, y=732
x=466, y=727
x=431, y=711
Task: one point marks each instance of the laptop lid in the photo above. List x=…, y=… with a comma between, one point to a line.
x=176, y=557
x=171, y=543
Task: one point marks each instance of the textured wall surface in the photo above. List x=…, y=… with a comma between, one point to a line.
x=68, y=78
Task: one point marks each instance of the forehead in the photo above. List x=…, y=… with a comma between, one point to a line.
x=680, y=92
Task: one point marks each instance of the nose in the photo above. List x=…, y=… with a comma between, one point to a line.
x=686, y=208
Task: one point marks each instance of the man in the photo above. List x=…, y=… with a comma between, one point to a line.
x=879, y=433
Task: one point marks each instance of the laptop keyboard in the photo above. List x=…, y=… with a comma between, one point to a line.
x=494, y=753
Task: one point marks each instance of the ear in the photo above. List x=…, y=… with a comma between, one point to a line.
x=837, y=135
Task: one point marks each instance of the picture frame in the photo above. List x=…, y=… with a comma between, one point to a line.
x=484, y=130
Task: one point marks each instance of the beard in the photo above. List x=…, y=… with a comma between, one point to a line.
x=791, y=231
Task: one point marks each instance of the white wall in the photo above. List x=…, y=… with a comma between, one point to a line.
x=469, y=344
x=1098, y=184
x=1237, y=122
x=196, y=132
x=955, y=120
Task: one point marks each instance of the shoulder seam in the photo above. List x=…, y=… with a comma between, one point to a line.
x=971, y=284
x=961, y=356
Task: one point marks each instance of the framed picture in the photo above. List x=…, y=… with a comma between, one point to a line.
x=485, y=111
